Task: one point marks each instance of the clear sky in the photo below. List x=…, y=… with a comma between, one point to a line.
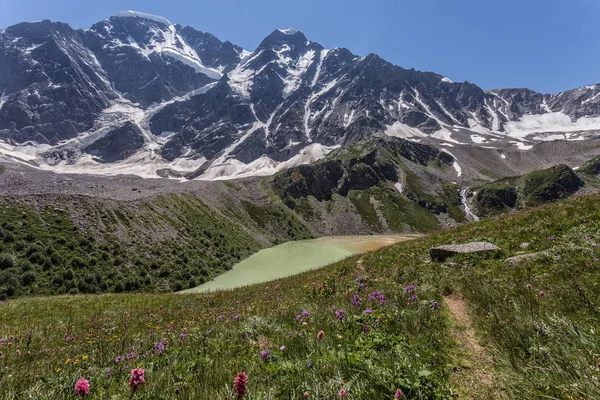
x=546, y=45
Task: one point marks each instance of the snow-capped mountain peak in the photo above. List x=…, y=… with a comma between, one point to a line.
x=288, y=31
x=138, y=93
x=136, y=14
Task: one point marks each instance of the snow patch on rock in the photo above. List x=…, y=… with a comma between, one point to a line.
x=288, y=31
x=455, y=165
x=548, y=123
x=295, y=73
x=400, y=130
x=264, y=166
x=136, y=14
x=3, y=99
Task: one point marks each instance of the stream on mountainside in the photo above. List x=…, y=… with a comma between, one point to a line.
x=464, y=201
x=291, y=258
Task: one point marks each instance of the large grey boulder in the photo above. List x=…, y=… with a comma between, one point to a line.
x=441, y=253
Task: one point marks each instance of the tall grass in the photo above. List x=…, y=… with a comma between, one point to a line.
x=192, y=346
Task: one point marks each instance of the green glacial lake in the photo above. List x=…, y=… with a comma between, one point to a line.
x=292, y=258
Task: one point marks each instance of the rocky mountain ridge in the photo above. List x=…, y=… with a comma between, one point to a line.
x=137, y=94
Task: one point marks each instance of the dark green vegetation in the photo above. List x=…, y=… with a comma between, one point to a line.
x=399, y=213
x=532, y=189
x=166, y=243
x=542, y=346
x=276, y=219
x=592, y=167
x=365, y=173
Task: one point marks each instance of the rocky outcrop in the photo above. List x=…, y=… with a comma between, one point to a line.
x=495, y=198
x=118, y=144
x=357, y=167
x=534, y=188
x=548, y=185
x=442, y=253
x=592, y=167
x=522, y=259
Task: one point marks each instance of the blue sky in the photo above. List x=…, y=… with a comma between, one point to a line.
x=546, y=45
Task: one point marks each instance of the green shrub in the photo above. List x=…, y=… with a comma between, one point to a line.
x=6, y=261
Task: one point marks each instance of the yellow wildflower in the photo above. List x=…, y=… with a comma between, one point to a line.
x=68, y=361
x=58, y=369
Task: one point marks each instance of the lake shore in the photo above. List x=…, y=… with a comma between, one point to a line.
x=292, y=258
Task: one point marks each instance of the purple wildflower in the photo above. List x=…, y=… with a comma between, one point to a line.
x=356, y=301
x=377, y=295
x=340, y=314
x=160, y=347
x=264, y=355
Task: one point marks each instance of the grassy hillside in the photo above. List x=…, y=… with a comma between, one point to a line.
x=58, y=245
x=532, y=189
x=382, y=329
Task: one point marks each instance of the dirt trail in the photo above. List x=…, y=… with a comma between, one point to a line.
x=476, y=381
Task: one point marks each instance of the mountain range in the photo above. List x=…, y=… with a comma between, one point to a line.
x=136, y=94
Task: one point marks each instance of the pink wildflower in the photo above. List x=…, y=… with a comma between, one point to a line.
x=320, y=335
x=342, y=393
x=239, y=384
x=82, y=387
x=542, y=293
x=398, y=394
x=306, y=395
x=282, y=348
x=529, y=286
x=137, y=378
